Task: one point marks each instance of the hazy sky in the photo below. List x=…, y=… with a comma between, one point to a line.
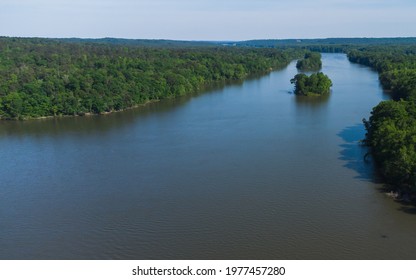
x=208, y=19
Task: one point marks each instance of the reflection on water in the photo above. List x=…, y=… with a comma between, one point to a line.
x=312, y=101
x=107, y=122
x=245, y=171
x=355, y=154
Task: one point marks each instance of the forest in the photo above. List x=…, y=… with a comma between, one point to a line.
x=313, y=85
x=391, y=128
x=328, y=43
x=57, y=77
x=311, y=62
x=47, y=77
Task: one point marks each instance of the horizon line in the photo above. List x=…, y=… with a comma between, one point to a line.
x=204, y=40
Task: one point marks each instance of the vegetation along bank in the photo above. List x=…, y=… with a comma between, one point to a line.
x=46, y=77
x=391, y=129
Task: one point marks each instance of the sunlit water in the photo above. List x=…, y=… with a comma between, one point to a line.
x=246, y=171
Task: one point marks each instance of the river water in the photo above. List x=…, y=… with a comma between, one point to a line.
x=248, y=171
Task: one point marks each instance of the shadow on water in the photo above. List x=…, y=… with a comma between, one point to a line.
x=404, y=196
x=408, y=208
x=103, y=123
x=80, y=125
x=356, y=158
x=312, y=101
x=354, y=154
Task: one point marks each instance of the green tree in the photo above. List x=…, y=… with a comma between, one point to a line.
x=310, y=62
x=315, y=84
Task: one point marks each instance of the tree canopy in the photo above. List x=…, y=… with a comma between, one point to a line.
x=313, y=85
x=391, y=129
x=391, y=134
x=45, y=77
x=310, y=62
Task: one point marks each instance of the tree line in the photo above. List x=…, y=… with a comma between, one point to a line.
x=46, y=77
x=313, y=85
x=311, y=62
x=391, y=128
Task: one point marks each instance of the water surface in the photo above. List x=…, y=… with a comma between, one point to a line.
x=246, y=171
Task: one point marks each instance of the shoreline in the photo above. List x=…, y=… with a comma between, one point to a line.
x=89, y=114
x=204, y=88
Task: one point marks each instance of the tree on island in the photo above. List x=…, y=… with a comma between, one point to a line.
x=311, y=62
x=314, y=85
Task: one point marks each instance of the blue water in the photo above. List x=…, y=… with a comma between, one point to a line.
x=247, y=171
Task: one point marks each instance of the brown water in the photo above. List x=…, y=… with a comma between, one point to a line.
x=247, y=171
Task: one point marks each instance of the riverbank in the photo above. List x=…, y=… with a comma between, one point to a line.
x=401, y=195
x=391, y=128
x=202, y=89
x=89, y=114
x=50, y=78
x=243, y=171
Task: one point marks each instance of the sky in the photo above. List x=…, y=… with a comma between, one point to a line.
x=208, y=20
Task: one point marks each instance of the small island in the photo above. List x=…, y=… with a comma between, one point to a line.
x=310, y=62
x=316, y=84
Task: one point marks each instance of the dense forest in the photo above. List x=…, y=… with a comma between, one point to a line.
x=330, y=44
x=313, y=85
x=391, y=129
x=46, y=77
x=54, y=77
x=311, y=62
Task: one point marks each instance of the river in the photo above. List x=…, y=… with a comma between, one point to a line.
x=247, y=171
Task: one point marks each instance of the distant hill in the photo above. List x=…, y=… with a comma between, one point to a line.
x=142, y=42
x=329, y=41
x=268, y=43
x=120, y=42
x=337, y=44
